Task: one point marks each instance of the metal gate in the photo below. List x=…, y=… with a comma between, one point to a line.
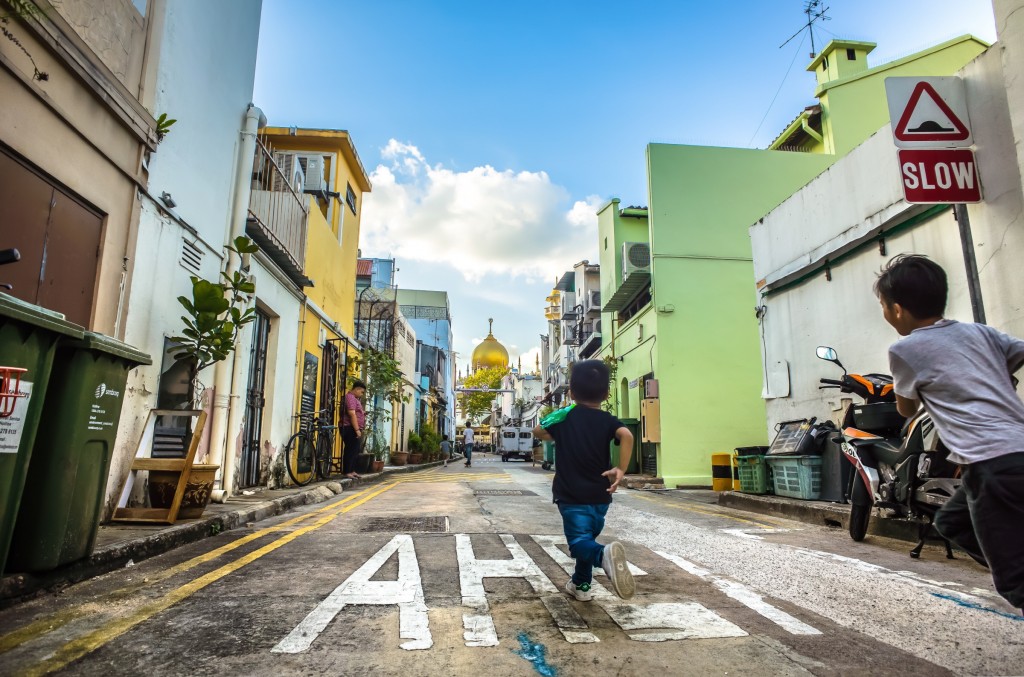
x=254, y=402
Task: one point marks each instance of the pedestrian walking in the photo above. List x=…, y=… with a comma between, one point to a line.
x=584, y=482
x=352, y=426
x=446, y=449
x=962, y=373
x=467, y=438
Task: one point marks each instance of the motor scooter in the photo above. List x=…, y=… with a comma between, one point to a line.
x=900, y=464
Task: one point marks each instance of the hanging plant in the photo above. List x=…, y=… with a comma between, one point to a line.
x=23, y=9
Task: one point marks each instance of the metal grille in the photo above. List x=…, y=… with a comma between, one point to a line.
x=438, y=524
x=425, y=312
x=191, y=257
x=503, y=492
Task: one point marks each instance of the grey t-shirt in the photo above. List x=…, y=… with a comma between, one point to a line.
x=961, y=372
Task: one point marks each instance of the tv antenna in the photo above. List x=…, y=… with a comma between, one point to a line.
x=815, y=11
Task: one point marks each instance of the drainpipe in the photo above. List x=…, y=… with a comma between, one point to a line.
x=224, y=381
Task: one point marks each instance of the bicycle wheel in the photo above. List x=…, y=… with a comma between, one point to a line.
x=325, y=453
x=300, y=458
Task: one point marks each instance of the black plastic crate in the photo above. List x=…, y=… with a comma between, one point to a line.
x=801, y=437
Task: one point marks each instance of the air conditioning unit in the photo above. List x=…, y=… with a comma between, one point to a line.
x=291, y=173
x=314, y=173
x=597, y=327
x=636, y=258
x=593, y=301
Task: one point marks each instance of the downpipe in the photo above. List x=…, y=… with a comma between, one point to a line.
x=225, y=381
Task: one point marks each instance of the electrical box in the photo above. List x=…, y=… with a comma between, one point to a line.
x=650, y=420
x=651, y=388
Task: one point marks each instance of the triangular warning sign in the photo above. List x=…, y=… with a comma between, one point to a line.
x=928, y=118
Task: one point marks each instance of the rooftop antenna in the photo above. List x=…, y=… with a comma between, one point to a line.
x=815, y=11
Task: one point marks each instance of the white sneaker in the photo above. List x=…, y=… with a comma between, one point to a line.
x=614, y=563
x=580, y=592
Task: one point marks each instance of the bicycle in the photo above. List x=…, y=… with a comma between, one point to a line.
x=310, y=452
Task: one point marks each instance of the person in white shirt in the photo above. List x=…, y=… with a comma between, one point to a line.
x=467, y=437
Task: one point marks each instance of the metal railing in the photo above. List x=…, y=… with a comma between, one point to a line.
x=278, y=214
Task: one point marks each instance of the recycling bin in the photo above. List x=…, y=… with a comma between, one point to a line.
x=67, y=475
x=549, y=455
x=634, y=461
x=29, y=335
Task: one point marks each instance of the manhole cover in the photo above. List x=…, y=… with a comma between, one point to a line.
x=503, y=492
x=406, y=524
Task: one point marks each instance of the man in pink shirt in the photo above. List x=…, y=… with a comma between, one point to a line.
x=352, y=424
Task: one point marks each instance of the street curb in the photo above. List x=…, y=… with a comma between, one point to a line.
x=833, y=515
x=16, y=588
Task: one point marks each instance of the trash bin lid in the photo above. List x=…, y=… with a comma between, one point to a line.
x=105, y=344
x=39, y=317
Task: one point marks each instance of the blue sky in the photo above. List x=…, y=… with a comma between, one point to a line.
x=493, y=130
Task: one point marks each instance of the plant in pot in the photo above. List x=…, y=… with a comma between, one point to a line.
x=402, y=457
x=383, y=377
x=213, y=318
x=379, y=451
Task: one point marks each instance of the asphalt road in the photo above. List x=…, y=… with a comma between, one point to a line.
x=459, y=571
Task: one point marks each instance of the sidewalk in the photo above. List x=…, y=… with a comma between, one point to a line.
x=822, y=513
x=121, y=543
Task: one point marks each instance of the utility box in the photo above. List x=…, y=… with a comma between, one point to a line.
x=650, y=420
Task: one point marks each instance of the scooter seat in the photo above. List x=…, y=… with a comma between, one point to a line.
x=888, y=453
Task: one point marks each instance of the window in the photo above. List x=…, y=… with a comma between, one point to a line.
x=350, y=197
x=851, y=55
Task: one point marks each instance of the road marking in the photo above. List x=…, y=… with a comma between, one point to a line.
x=478, y=623
x=85, y=645
x=54, y=621
x=549, y=544
x=745, y=596
x=763, y=523
x=358, y=589
x=683, y=620
x=753, y=534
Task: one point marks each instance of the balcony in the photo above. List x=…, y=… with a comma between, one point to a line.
x=278, y=214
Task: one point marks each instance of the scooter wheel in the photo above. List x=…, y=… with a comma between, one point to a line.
x=860, y=511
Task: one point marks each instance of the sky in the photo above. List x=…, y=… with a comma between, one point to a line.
x=492, y=132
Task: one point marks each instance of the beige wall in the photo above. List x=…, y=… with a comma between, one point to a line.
x=114, y=30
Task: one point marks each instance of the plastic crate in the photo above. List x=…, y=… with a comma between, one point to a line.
x=796, y=476
x=753, y=474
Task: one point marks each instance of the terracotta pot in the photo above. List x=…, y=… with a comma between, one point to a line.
x=415, y=458
x=363, y=463
x=378, y=466
x=399, y=457
x=162, y=485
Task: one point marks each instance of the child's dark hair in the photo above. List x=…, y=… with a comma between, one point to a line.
x=588, y=381
x=915, y=282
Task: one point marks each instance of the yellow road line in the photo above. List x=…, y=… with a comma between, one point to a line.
x=83, y=646
x=761, y=523
x=59, y=619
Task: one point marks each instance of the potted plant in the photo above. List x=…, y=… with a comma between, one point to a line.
x=383, y=379
x=213, y=318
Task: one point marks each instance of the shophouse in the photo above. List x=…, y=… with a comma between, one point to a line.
x=573, y=313
x=675, y=275
x=518, y=405
x=429, y=315
x=822, y=248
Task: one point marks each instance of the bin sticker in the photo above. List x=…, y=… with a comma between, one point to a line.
x=105, y=410
x=12, y=427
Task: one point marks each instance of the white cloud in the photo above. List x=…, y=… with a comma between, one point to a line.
x=482, y=221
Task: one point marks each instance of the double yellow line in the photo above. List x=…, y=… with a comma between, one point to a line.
x=88, y=643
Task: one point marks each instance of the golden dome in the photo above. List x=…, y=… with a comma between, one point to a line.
x=490, y=353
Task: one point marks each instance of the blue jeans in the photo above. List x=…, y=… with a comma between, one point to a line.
x=469, y=453
x=582, y=524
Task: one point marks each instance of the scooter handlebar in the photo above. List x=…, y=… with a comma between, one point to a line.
x=831, y=382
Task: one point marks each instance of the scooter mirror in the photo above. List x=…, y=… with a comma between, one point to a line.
x=826, y=353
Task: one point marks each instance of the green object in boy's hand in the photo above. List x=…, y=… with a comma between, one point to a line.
x=556, y=416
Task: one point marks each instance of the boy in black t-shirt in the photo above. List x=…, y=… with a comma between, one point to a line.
x=584, y=482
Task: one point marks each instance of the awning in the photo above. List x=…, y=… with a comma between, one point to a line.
x=567, y=282
x=627, y=292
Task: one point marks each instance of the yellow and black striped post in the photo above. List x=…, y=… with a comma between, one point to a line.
x=721, y=472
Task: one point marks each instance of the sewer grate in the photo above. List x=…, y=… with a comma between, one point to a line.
x=438, y=524
x=503, y=492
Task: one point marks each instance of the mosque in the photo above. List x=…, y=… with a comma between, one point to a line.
x=490, y=353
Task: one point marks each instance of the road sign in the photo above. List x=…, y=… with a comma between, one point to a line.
x=939, y=176
x=928, y=112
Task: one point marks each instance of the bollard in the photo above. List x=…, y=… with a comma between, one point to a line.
x=735, y=471
x=721, y=472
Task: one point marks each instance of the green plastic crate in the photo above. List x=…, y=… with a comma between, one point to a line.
x=796, y=476
x=753, y=474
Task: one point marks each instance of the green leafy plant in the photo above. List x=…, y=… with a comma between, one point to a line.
x=414, y=442
x=384, y=383
x=214, y=315
x=22, y=9
x=163, y=126
x=613, y=368
x=476, y=405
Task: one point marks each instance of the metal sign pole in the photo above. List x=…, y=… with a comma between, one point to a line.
x=963, y=221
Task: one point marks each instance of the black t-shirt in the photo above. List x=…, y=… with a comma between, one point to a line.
x=582, y=453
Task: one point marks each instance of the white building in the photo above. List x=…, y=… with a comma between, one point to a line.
x=817, y=254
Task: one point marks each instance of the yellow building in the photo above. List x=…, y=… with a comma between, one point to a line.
x=323, y=165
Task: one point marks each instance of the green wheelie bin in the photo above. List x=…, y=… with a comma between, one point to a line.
x=634, y=460
x=549, y=456
x=67, y=476
x=29, y=336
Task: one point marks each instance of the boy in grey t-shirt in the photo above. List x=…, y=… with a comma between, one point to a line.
x=962, y=374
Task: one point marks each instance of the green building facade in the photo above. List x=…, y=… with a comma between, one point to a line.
x=687, y=320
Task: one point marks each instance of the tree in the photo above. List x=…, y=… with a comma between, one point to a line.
x=475, y=405
x=384, y=383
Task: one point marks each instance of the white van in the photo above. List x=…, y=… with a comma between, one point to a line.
x=516, y=443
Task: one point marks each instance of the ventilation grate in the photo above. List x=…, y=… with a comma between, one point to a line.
x=503, y=492
x=405, y=525
x=191, y=257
